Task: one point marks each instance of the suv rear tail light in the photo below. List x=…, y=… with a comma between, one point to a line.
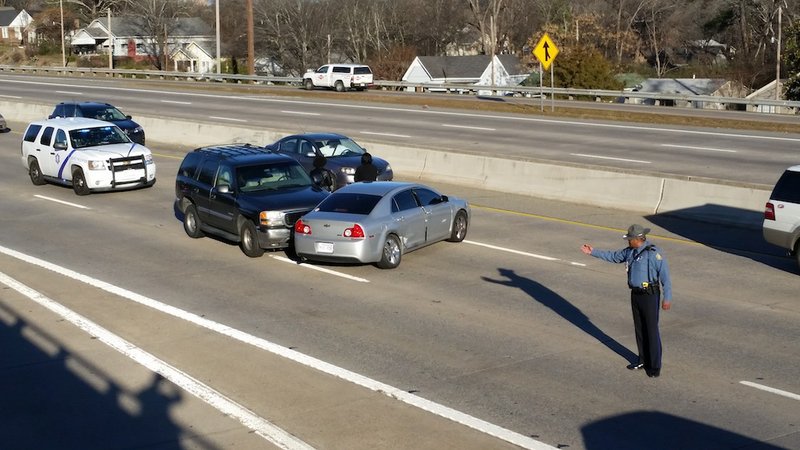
x=769, y=211
x=354, y=232
x=301, y=228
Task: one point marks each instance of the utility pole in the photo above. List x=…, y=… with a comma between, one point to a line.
x=63, y=51
x=219, y=59
x=110, y=42
x=251, y=61
x=778, y=60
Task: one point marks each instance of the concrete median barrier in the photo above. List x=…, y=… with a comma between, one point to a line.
x=628, y=190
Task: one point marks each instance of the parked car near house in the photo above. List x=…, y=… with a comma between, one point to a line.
x=378, y=222
x=340, y=77
x=343, y=155
x=244, y=194
x=88, y=154
x=101, y=111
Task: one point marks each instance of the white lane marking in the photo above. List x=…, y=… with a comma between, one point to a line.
x=308, y=361
x=230, y=119
x=74, y=205
x=176, y=102
x=699, y=148
x=301, y=113
x=469, y=127
x=771, y=389
x=70, y=92
x=228, y=407
x=386, y=134
x=321, y=269
x=9, y=96
x=611, y=158
x=518, y=252
x=427, y=111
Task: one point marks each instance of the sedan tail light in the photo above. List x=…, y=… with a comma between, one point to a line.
x=301, y=228
x=354, y=232
x=769, y=212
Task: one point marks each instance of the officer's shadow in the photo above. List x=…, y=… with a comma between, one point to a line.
x=563, y=308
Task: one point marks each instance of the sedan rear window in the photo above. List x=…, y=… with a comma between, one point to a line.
x=788, y=188
x=349, y=203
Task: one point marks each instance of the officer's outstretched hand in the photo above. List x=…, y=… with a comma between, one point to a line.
x=586, y=249
x=666, y=305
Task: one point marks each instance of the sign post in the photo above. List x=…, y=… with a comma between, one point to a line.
x=546, y=52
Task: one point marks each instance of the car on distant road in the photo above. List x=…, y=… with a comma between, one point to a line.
x=340, y=77
x=101, y=111
x=342, y=153
x=378, y=222
x=781, y=225
x=91, y=155
x=245, y=194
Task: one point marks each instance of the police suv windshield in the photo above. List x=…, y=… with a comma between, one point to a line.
x=89, y=137
x=267, y=177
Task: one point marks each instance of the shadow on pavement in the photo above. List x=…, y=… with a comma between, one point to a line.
x=563, y=308
x=55, y=399
x=732, y=230
x=661, y=431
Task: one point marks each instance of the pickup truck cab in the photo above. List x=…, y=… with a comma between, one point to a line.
x=91, y=155
x=339, y=77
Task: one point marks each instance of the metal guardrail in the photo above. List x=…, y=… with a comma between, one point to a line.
x=658, y=98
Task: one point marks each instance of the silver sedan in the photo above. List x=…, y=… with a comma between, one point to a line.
x=378, y=222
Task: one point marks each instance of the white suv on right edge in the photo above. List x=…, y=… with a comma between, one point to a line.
x=782, y=214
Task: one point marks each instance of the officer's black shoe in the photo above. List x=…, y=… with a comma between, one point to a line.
x=635, y=366
x=654, y=373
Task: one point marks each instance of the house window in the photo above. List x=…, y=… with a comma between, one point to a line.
x=5, y=32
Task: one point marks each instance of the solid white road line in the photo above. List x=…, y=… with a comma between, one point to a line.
x=228, y=407
x=74, y=205
x=611, y=158
x=308, y=361
x=176, y=102
x=301, y=113
x=230, y=119
x=321, y=269
x=518, y=252
x=385, y=134
x=70, y=92
x=469, y=127
x=699, y=148
x=9, y=96
x=771, y=389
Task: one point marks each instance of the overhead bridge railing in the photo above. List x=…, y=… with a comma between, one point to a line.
x=597, y=95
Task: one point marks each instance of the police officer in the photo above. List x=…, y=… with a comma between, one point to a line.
x=648, y=271
x=366, y=171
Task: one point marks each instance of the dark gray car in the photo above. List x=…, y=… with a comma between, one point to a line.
x=343, y=155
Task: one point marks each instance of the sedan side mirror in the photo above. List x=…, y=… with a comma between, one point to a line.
x=128, y=117
x=445, y=199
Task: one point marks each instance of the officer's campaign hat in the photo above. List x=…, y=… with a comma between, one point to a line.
x=636, y=231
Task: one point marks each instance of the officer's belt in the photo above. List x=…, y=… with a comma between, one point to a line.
x=651, y=289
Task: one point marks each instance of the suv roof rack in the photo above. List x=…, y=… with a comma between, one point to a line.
x=229, y=150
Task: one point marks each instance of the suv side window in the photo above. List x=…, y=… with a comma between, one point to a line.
x=189, y=165
x=788, y=188
x=224, y=176
x=33, y=131
x=47, y=136
x=208, y=171
x=61, y=138
x=323, y=69
x=404, y=201
x=341, y=69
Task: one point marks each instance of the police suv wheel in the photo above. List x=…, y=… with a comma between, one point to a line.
x=191, y=223
x=79, y=182
x=37, y=178
x=249, y=240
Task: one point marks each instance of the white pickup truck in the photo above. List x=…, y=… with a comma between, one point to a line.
x=91, y=155
x=339, y=76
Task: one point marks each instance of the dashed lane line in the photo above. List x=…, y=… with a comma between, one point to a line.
x=50, y=199
x=786, y=394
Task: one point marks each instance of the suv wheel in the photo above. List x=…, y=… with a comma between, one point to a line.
x=339, y=86
x=191, y=222
x=249, y=240
x=309, y=84
x=79, y=182
x=37, y=178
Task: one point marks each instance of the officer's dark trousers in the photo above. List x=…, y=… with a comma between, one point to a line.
x=645, y=308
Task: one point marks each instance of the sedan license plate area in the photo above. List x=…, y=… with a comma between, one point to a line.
x=324, y=247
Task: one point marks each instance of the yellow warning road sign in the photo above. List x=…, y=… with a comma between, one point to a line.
x=545, y=51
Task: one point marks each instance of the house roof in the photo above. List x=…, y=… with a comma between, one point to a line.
x=466, y=66
x=7, y=15
x=127, y=26
x=695, y=86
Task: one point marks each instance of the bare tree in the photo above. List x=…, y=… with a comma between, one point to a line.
x=485, y=18
x=155, y=20
x=88, y=10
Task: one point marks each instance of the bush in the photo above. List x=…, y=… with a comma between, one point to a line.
x=583, y=68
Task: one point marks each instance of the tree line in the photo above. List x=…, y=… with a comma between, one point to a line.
x=660, y=38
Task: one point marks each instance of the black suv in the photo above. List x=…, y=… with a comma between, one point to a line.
x=101, y=111
x=245, y=194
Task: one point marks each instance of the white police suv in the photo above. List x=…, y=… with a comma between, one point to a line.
x=91, y=155
x=781, y=225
